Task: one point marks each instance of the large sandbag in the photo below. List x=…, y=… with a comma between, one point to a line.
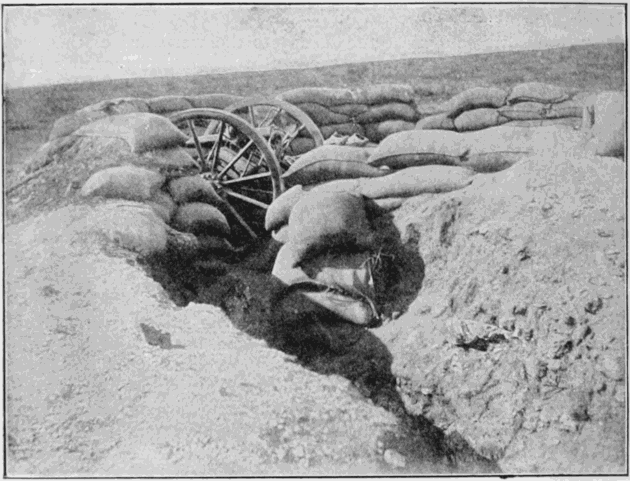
x=133, y=226
x=168, y=159
x=478, y=119
x=321, y=115
x=537, y=92
x=213, y=101
x=436, y=122
x=378, y=132
x=284, y=268
x=126, y=182
x=569, y=108
x=331, y=162
x=318, y=95
x=352, y=309
x=378, y=207
x=118, y=106
x=383, y=93
x=300, y=145
x=475, y=98
x=143, y=132
x=193, y=188
x=419, y=147
x=163, y=205
x=388, y=111
x=343, y=129
x=168, y=104
x=605, y=123
x=351, y=110
x=525, y=111
x=69, y=124
x=350, y=272
x=199, y=218
x=322, y=220
x=281, y=235
x=278, y=212
x=430, y=179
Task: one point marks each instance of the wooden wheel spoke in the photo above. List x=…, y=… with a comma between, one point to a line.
x=241, y=221
x=262, y=175
x=244, y=198
x=196, y=140
x=268, y=121
x=235, y=159
x=214, y=153
x=252, y=119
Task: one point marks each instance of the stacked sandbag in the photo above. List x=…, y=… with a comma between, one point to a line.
x=479, y=108
x=604, y=123
x=374, y=111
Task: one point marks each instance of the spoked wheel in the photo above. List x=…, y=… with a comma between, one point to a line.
x=237, y=162
x=287, y=129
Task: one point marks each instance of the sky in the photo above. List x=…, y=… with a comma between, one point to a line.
x=56, y=44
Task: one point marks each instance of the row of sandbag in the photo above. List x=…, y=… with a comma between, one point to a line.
x=483, y=107
x=165, y=105
x=373, y=111
x=188, y=204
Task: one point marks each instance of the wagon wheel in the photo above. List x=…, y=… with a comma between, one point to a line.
x=238, y=163
x=288, y=130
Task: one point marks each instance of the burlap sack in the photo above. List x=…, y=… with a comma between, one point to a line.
x=478, y=119
x=436, y=122
x=569, y=108
x=318, y=95
x=377, y=132
x=126, y=182
x=351, y=110
x=331, y=162
x=300, y=146
x=321, y=220
x=525, y=111
x=321, y=115
x=538, y=92
x=278, y=212
x=475, y=98
x=388, y=111
x=383, y=93
x=199, y=218
x=284, y=266
x=213, y=101
x=143, y=132
x=419, y=147
x=193, y=188
x=167, y=159
x=351, y=309
x=163, y=205
x=69, y=124
x=168, y=104
x=431, y=179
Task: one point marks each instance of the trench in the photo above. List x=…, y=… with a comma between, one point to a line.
x=265, y=308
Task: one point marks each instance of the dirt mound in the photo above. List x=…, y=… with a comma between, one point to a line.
x=516, y=339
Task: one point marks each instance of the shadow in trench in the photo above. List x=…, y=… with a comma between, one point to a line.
x=266, y=308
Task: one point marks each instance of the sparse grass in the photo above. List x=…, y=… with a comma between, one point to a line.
x=30, y=112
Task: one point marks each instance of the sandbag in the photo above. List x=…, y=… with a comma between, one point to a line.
x=169, y=159
x=430, y=179
x=537, y=92
x=478, y=119
x=213, y=101
x=133, y=226
x=389, y=111
x=281, y=235
x=378, y=132
x=357, y=311
x=383, y=93
x=418, y=147
x=118, y=106
x=163, y=205
x=351, y=110
x=126, y=182
x=284, y=266
x=350, y=272
x=343, y=129
x=322, y=220
x=436, y=122
x=69, y=124
x=317, y=95
x=299, y=146
x=199, y=218
x=525, y=111
x=321, y=115
x=193, y=188
x=569, y=108
x=278, y=212
x=377, y=207
x=143, y=132
x=331, y=162
x=168, y=104
x=605, y=123
x=475, y=98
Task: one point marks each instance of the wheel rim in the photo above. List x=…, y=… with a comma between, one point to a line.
x=288, y=130
x=237, y=162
